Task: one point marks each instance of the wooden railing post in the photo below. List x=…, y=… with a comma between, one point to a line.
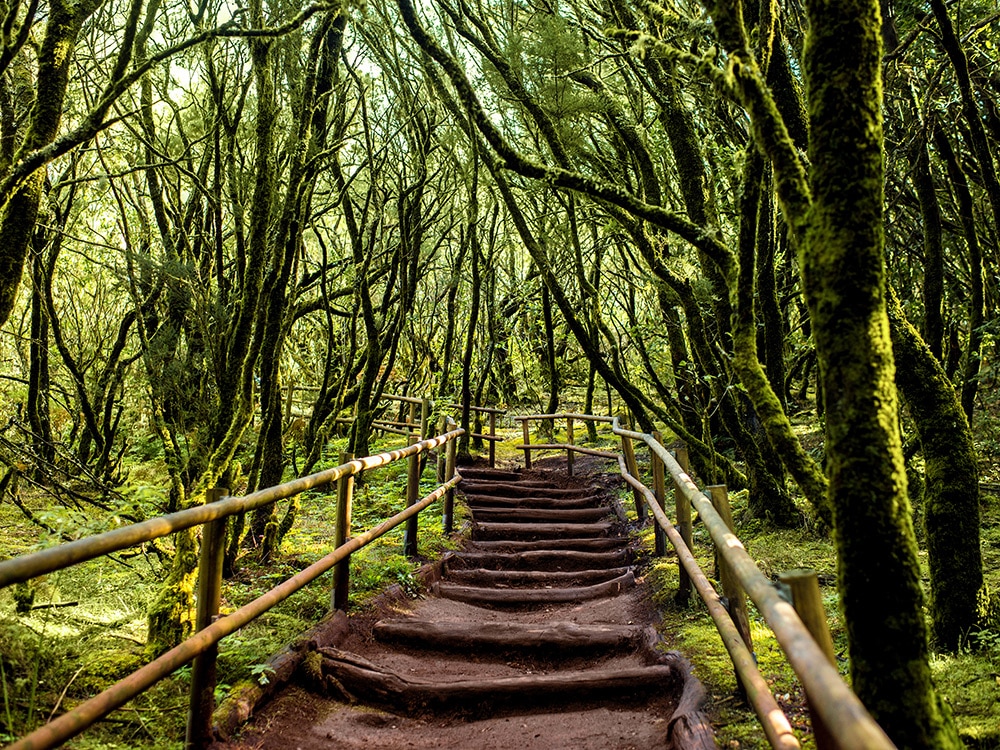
x=682, y=510
x=449, y=472
x=633, y=468
x=412, y=418
x=288, y=401
x=808, y=602
x=412, y=494
x=660, y=491
x=493, y=443
x=341, y=533
x=425, y=417
x=569, y=440
x=442, y=427
x=732, y=589
x=527, y=443
x=213, y=546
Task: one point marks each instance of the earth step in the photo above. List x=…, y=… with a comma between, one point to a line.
x=489, y=475
x=500, y=597
x=540, y=515
x=362, y=679
x=522, y=578
x=478, y=637
x=587, y=501
x=601, y=544
x=531, y=531
x=538, y=560
x=522, y=489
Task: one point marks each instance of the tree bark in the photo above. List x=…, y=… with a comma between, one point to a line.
x=842, y=260
x=952, y=484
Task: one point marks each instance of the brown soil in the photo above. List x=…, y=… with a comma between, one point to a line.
x=300, y=720
x=468, y=679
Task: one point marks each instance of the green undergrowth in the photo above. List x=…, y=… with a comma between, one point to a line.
x=86, y=629
x=969, y=680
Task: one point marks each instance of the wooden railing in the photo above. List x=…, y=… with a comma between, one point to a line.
x=491, y=437
x=569, y=446
x=412, y=424
x=212, y=628
x=402, y=426
x=838, y=717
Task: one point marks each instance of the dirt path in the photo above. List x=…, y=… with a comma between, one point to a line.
x=537, y=635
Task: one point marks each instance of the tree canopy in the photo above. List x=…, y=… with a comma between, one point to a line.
x=726, y=217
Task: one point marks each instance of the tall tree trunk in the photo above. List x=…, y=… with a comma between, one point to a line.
x=475, y=260
x=966, y=214
x=20, y=209
x=970, y=110
x=551, y=368
x=768, y=496
x=38, y=372
x=952, y=490
x=772, y=331
x=451, y=307
x=842, y=261
x=933, y=263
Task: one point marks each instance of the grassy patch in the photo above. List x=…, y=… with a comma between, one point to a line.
x=969, y=681
x=55, y=657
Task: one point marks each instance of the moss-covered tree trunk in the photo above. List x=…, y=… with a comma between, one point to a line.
x=976, y=309
x=930, y=213
x=20, y=209
x=475, y=291
x=844, y=278
x=774, y=505
x=951, y=513
x=38, y=373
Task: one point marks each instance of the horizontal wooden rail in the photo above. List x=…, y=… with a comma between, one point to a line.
x=552, y=417
x=403, y=399
x=566, y=447
x=772, y=718
x=63, y=556
x=493, y=438
x=829, y=695
x=569, y=446
x=480, y=409
x=75, y=721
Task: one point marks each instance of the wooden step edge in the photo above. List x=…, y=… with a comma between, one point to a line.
x=369, y=682
x=500, y=597
x=596, y=545
x=533, y=577
x=499, y=501
x=525, y=488
x=492, y=529
x=541, y=515
x=529, y=559
x=561, y=637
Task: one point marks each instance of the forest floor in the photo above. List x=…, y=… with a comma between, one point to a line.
x=87, y=625
x=575, y=641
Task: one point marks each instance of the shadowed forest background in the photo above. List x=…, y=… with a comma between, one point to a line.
x=768, y=230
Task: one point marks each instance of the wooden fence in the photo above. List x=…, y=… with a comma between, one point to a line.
x=838, y=717
x=212, y=516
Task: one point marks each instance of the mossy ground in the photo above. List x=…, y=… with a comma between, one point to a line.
x=55, y=657
x=81, y=649
x=969, y=680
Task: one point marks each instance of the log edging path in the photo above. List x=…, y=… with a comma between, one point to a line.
x=537, y=635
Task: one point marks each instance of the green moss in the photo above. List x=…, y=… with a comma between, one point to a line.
x=691, y=631
x=170, y=616
x=971, y=689
x=105, y=667
x=967, y=682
